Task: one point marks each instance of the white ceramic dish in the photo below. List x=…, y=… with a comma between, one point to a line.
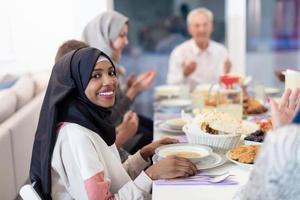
x=271, y=90
x=167, y=91
x=218, y=142
x=212, y=161
x=165, y=128
x=248, y=142
x=175, y=123
x=248, y=127
x=243, y=165
x=177, y=103
x=171, y=149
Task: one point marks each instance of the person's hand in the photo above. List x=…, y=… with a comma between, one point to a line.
x=130, y=80
x=283, y=112
x=189, y=68
x=141, y=83
x=127, y=128
x=227, y=66
x=149, y=150
x=171, y=167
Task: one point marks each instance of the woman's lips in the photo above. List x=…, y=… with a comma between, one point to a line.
x=106, y=94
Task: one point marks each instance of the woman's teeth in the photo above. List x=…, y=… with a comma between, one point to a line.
x=106, y=93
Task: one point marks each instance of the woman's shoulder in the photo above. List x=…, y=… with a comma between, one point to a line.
x=74, y=132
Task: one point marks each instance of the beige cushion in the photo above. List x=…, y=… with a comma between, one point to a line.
x=41, y=80
x=24, y=89
x=8, y=104
x=22, y=126
x=7, y=178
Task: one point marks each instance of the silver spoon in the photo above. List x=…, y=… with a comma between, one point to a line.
x=219, y=178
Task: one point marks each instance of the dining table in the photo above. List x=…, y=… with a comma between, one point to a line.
x=164, y=190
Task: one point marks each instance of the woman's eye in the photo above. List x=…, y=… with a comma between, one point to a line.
x=112, y=73
x=96, y=76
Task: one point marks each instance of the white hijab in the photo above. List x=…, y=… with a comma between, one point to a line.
x=275, y=174
x=101, y=31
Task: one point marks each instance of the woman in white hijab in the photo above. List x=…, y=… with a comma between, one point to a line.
x=108, y=32
x=275, y=174
x=104, y=30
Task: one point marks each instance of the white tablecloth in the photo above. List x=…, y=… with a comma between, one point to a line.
x=198, y=192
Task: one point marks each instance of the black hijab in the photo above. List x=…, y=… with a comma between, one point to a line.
x=65, y=101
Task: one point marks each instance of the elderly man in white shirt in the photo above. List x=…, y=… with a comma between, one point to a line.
x=198, y=60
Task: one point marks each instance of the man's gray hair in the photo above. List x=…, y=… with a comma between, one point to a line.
x=200, y=10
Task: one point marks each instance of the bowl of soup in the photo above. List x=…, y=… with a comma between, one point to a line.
x=193, y=152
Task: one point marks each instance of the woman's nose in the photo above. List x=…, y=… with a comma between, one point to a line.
x=107, y=80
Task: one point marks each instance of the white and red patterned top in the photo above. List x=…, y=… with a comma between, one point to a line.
x=84, y=167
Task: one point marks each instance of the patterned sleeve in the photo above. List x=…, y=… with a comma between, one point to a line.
x=96, y=184
x=275, y=174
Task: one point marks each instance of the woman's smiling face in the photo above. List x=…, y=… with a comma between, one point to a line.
x=102, y=86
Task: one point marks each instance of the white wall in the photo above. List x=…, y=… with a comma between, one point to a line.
x=32, y=30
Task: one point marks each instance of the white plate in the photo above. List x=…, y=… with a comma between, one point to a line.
x=167, y=91
x=248, y=127
x=169, y=149
x=175, y=123
x=177, y=103
x=165, y=128
x=212, y=161
x=270, y=90
x=248, y=142
x=243, y=165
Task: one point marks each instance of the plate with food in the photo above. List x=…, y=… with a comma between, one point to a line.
x=209, y=162
x=163, y=126
x=253, y=106
x=193, y=152
x=248, y=127
x=215, y=129
x=244, y=155
x=175, y=123
x=258, y=136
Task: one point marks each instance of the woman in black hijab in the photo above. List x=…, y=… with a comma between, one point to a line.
x=74, y=155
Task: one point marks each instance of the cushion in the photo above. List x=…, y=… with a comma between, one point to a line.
x=24, y=89
x=7, y=84
x=41, y=80
x=23, y=126
x=7, y=180
x=8, y=104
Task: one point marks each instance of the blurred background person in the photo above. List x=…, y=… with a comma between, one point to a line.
x=200, y=59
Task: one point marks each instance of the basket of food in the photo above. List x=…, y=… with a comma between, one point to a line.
x=215, y=129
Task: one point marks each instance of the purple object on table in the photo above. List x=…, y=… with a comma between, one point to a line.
x=182, y=139
x=195, y=182
x=203, y=179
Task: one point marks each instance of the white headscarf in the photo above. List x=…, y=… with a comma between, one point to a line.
x=101, y=31
x=275, y=174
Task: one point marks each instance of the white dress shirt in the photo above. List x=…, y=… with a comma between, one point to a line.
x=210, y=63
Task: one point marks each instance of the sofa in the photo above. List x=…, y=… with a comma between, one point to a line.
x=19, y=112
